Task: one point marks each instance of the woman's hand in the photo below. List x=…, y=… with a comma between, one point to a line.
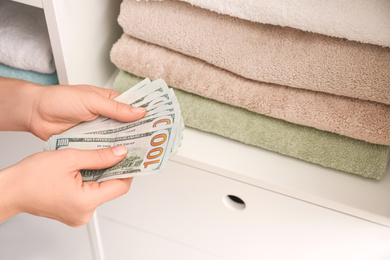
x=58, y=108
x=49, y=184
x=48, y=110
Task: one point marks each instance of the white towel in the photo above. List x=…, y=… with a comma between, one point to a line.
x=24, y=39
x=366, y=21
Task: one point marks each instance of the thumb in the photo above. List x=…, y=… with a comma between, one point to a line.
x=107, y=190
x=100, y=158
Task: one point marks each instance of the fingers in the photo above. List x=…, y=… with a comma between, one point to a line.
x=108, y=93
x=97, y=159
x=120, y=111
x=106, y=106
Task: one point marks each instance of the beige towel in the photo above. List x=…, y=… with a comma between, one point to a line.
x=266, y=53
x=359, y=119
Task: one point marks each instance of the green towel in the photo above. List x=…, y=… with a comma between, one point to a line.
x=28, y=75
x=305, y=143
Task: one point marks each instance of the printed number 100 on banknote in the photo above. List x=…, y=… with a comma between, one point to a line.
x=147, y=152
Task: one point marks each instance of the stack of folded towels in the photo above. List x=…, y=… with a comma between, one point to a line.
x=310, y=80
x=25, y=50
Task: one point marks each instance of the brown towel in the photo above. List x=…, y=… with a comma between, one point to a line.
x=359, y=119
x=266, y=53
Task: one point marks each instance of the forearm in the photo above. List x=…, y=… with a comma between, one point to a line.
x=16, y=102
x=8, y=195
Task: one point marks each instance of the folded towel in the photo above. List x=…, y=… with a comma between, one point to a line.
x=305, y=143
x=28, y=75
x=266, y=53
x=24, y=39
x=364, y=120
x=358, y=20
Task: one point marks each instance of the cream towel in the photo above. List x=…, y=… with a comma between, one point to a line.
x=266, y=53
x=358, y=20
x=359, y=119
x=24, y=39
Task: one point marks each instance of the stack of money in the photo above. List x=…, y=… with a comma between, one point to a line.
x=150, y=141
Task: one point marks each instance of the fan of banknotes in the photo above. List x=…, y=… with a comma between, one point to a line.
x=150, y=141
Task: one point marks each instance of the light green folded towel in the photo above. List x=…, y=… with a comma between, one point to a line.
x=305, y=143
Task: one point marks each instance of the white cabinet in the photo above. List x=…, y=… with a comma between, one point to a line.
x=191, y=207
x=293, y=209
x=81, y=35
x=123, y=242
x=344, y=192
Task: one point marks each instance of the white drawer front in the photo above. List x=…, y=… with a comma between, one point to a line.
x=124, y=243
x=189, y=206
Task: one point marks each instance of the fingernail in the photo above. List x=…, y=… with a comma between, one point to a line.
x=138, y=110
x=119, y=150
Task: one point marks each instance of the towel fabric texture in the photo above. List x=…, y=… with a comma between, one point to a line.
x=297, y=87
x=305, y=143
x=359, y=119
x=24, y=39
x=357, y=20
x=262, y=52
x=28, y=75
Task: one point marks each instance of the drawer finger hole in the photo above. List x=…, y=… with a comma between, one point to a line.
x=233, y=202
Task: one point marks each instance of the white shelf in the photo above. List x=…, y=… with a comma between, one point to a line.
x=81, y=35
x=36, y=3
x=344, y=192
x=348, y=193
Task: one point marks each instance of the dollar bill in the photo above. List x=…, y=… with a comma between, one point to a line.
x=150, y=141
x=147, y=152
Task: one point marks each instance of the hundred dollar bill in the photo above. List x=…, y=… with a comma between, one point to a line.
x=160, y=120
x=147, y=153
x=124, y=97
x=139, y=125
x=148, y=147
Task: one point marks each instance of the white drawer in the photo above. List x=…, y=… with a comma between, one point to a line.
x=124, y=243
x=186, y=205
